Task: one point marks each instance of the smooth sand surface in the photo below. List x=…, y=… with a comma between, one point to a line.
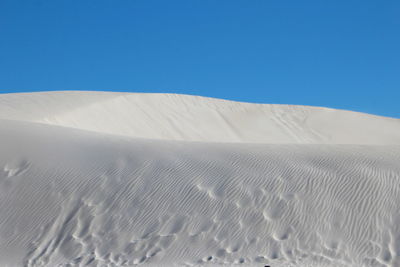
x=118, y=179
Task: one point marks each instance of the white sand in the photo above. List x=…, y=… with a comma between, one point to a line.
x=114, y=179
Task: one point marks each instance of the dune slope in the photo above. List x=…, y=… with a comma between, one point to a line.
x=193, y=118
x=91, y=191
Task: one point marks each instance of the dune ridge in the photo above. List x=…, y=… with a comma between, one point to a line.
x=194, y=187
x=195, y=118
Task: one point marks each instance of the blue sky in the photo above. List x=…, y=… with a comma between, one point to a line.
x=340, y=54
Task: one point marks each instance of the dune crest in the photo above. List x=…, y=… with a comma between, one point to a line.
x=194, y=118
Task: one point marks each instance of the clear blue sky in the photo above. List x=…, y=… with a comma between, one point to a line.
x=340, y=54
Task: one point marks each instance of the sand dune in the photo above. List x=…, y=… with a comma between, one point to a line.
x=192, y=118
x=113, y=179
